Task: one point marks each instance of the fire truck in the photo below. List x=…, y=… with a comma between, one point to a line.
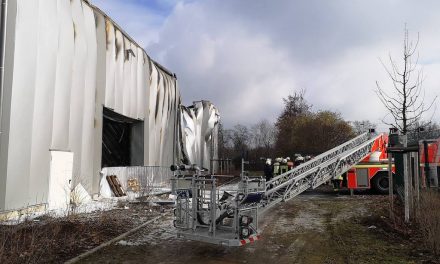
x=430, y=162
x=372, y=171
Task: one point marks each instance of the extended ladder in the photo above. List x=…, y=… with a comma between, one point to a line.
x=210, y=213
x=318, y=170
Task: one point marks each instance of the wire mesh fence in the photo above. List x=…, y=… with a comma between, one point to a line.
x=142, y=179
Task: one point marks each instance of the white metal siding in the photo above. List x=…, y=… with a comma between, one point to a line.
x=22, y=106
x=70, y=61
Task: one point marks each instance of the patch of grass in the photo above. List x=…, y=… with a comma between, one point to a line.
x=428, y=219
x=361, y=244
x=349, y=239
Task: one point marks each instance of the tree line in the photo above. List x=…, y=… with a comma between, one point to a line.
x=298, y=130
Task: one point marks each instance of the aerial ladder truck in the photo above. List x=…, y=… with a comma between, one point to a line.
x=228, y=215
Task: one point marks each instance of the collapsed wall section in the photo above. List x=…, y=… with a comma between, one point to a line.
x=199, y=130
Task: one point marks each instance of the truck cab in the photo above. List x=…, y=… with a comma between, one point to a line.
x=372, y=171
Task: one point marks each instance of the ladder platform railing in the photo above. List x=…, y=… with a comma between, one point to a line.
x=318, y=170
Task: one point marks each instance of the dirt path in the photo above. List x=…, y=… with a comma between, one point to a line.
x=312, y=228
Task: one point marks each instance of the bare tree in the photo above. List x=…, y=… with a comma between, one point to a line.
x=429, y=125
x=224, y=141
x=240, y=136
x=406, y=102
x=362, y=126
x=263, y=135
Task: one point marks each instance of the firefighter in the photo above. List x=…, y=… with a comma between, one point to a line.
x=276, y=166
x=268, y=170
x=337, y=183
x=283, y=166
x=289, y=163
x=299, y=160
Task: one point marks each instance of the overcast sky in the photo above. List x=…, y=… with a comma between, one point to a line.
x=245, y=56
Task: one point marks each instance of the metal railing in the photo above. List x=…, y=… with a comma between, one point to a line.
x=221, y=166
x=318, y=170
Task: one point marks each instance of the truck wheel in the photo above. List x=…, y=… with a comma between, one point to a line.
x=381, y=183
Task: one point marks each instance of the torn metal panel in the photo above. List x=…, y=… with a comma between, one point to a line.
x=199, y=126
x=110, y=64
x=162, y=114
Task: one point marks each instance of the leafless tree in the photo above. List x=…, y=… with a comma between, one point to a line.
x=362, y=126
x=224, y=141
x=240, y=136
x=263, y=135
x=406, y=102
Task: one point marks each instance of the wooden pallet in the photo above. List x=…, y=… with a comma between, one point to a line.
x=115, y=185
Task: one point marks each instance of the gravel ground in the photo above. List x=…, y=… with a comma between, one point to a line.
x=316, y=227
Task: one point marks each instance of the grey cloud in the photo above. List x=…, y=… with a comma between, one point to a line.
x=315, y=30
x=245, y=56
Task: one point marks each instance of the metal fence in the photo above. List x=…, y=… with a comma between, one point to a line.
x=415, y=137
x=221, y=166
x=143, y=179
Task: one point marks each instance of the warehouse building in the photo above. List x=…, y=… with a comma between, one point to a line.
x=78, y=94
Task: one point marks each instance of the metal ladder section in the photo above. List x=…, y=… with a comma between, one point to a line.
x=318, y=170
x=204, y=201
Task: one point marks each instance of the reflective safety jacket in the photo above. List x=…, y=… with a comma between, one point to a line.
x=276, y=168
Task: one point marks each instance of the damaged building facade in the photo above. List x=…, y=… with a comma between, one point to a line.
x=78, y=94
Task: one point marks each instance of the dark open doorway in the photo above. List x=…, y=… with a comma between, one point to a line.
x=122, y=140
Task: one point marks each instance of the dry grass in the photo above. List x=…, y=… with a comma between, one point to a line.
x=428, y=219
x=30, y=242
x=50, y=239
x=55, y=240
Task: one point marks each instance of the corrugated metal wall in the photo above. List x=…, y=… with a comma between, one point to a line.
x=67, y=61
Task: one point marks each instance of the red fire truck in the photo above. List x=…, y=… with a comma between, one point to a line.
x=372, y=171
x=430, y=162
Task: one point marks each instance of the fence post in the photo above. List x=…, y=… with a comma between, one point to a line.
x=406, y=181
x=427, y=172
x=410, y=184
x=391, y=185
x=416, y=180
